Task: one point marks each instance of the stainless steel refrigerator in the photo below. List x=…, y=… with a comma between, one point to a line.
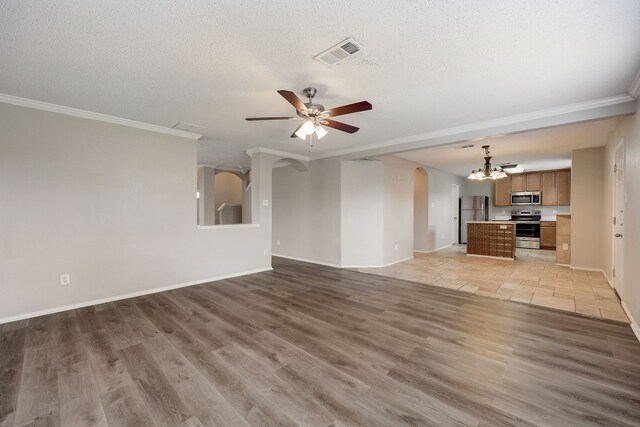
x=472, y=208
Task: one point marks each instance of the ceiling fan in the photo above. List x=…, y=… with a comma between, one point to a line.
x=315, y=116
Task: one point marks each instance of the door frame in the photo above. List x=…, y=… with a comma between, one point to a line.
x=620, y=146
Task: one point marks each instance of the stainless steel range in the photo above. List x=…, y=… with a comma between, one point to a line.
x=527, y=228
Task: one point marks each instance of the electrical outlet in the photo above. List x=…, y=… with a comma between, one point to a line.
x=65, y=279
x=265, y=203
x=565, y=246
x=395, y=247
x=266, y=251
x=503, y=211
x=555, y=211
x=278, y=242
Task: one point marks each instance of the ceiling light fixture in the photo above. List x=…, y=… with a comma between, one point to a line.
x=485, y=171
x=310, y=127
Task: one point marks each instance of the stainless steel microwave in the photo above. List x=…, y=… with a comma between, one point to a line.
x=526, y=198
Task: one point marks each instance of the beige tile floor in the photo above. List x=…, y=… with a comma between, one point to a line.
x=533, y=278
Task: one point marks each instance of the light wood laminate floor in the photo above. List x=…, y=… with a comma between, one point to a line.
x=533, y=278
x=312, y=345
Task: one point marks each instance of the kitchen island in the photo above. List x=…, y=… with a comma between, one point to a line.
x=495, y=239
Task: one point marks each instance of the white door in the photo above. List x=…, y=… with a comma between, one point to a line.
x=455, y=200
x=618, y=219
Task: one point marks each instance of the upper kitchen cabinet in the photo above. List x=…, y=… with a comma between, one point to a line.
x=563, y=185
x=556, y=188
x=502, y=191
x=531, y=181
x=534, y=181
x=549, y=193
x=519, y=182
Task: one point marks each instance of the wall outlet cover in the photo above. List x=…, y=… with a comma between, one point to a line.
x=65, y=279
x=565, y=246
x=278, y=242
x=265, y=203
x=266, y=251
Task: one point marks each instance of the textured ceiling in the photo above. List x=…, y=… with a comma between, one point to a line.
x=427, y=65
x=535, y=150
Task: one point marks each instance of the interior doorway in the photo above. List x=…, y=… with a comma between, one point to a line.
x=455, y=208
x=618, y=219
x=420, y=210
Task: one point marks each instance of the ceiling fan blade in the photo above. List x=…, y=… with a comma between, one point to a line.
x=253, y=119
x=293, y=135
x=293, y=100
x=348, y=109
x=340, y=126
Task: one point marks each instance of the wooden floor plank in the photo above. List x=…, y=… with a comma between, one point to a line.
x=318, y=346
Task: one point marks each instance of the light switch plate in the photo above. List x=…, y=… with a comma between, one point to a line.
x=265, y=203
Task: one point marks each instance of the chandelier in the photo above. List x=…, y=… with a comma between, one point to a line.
x=485, y=171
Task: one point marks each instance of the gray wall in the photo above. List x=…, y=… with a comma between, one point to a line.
x=587, y=196
x=112, y=206
x=440, y=215
x=420, y=210
x=306, y=212
x=355, y=212
x=362, y=219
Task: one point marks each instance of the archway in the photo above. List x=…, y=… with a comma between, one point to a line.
x=420, y=210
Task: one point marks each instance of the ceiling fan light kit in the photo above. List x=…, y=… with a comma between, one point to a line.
x=315, y=116
x=485, y=171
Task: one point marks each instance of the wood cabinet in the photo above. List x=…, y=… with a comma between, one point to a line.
x=555, y=186
x=549, y=188
x=534, y=181
x=548, y=235
x=531, y=181
x=519, y=182
x=502, y=192
x=563, y=187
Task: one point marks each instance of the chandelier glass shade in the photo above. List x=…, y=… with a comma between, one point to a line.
x=485, y=171
x=309, y=128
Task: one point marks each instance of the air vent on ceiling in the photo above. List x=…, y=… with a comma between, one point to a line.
x=188, y=127
x=465, y=146
x=340, y=52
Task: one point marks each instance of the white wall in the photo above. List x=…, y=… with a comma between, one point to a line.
x=587, y=196
x=629, y=129
x=110, y=205
x=306, y=212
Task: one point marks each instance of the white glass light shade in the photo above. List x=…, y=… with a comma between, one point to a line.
x=320, y=131
x=306, y=129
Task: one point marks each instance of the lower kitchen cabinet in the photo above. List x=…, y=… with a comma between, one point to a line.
x=547, y=235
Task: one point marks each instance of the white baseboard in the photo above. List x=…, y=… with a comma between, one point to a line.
x=634, y=325
x=124, y=296
x=435, y=250
x=311, y=261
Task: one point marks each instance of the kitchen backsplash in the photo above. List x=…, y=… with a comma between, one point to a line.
x=547, y=211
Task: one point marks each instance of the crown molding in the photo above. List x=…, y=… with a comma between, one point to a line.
x=443, y=135
x=634, y=89
x=84, y=114
x=251, y=151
